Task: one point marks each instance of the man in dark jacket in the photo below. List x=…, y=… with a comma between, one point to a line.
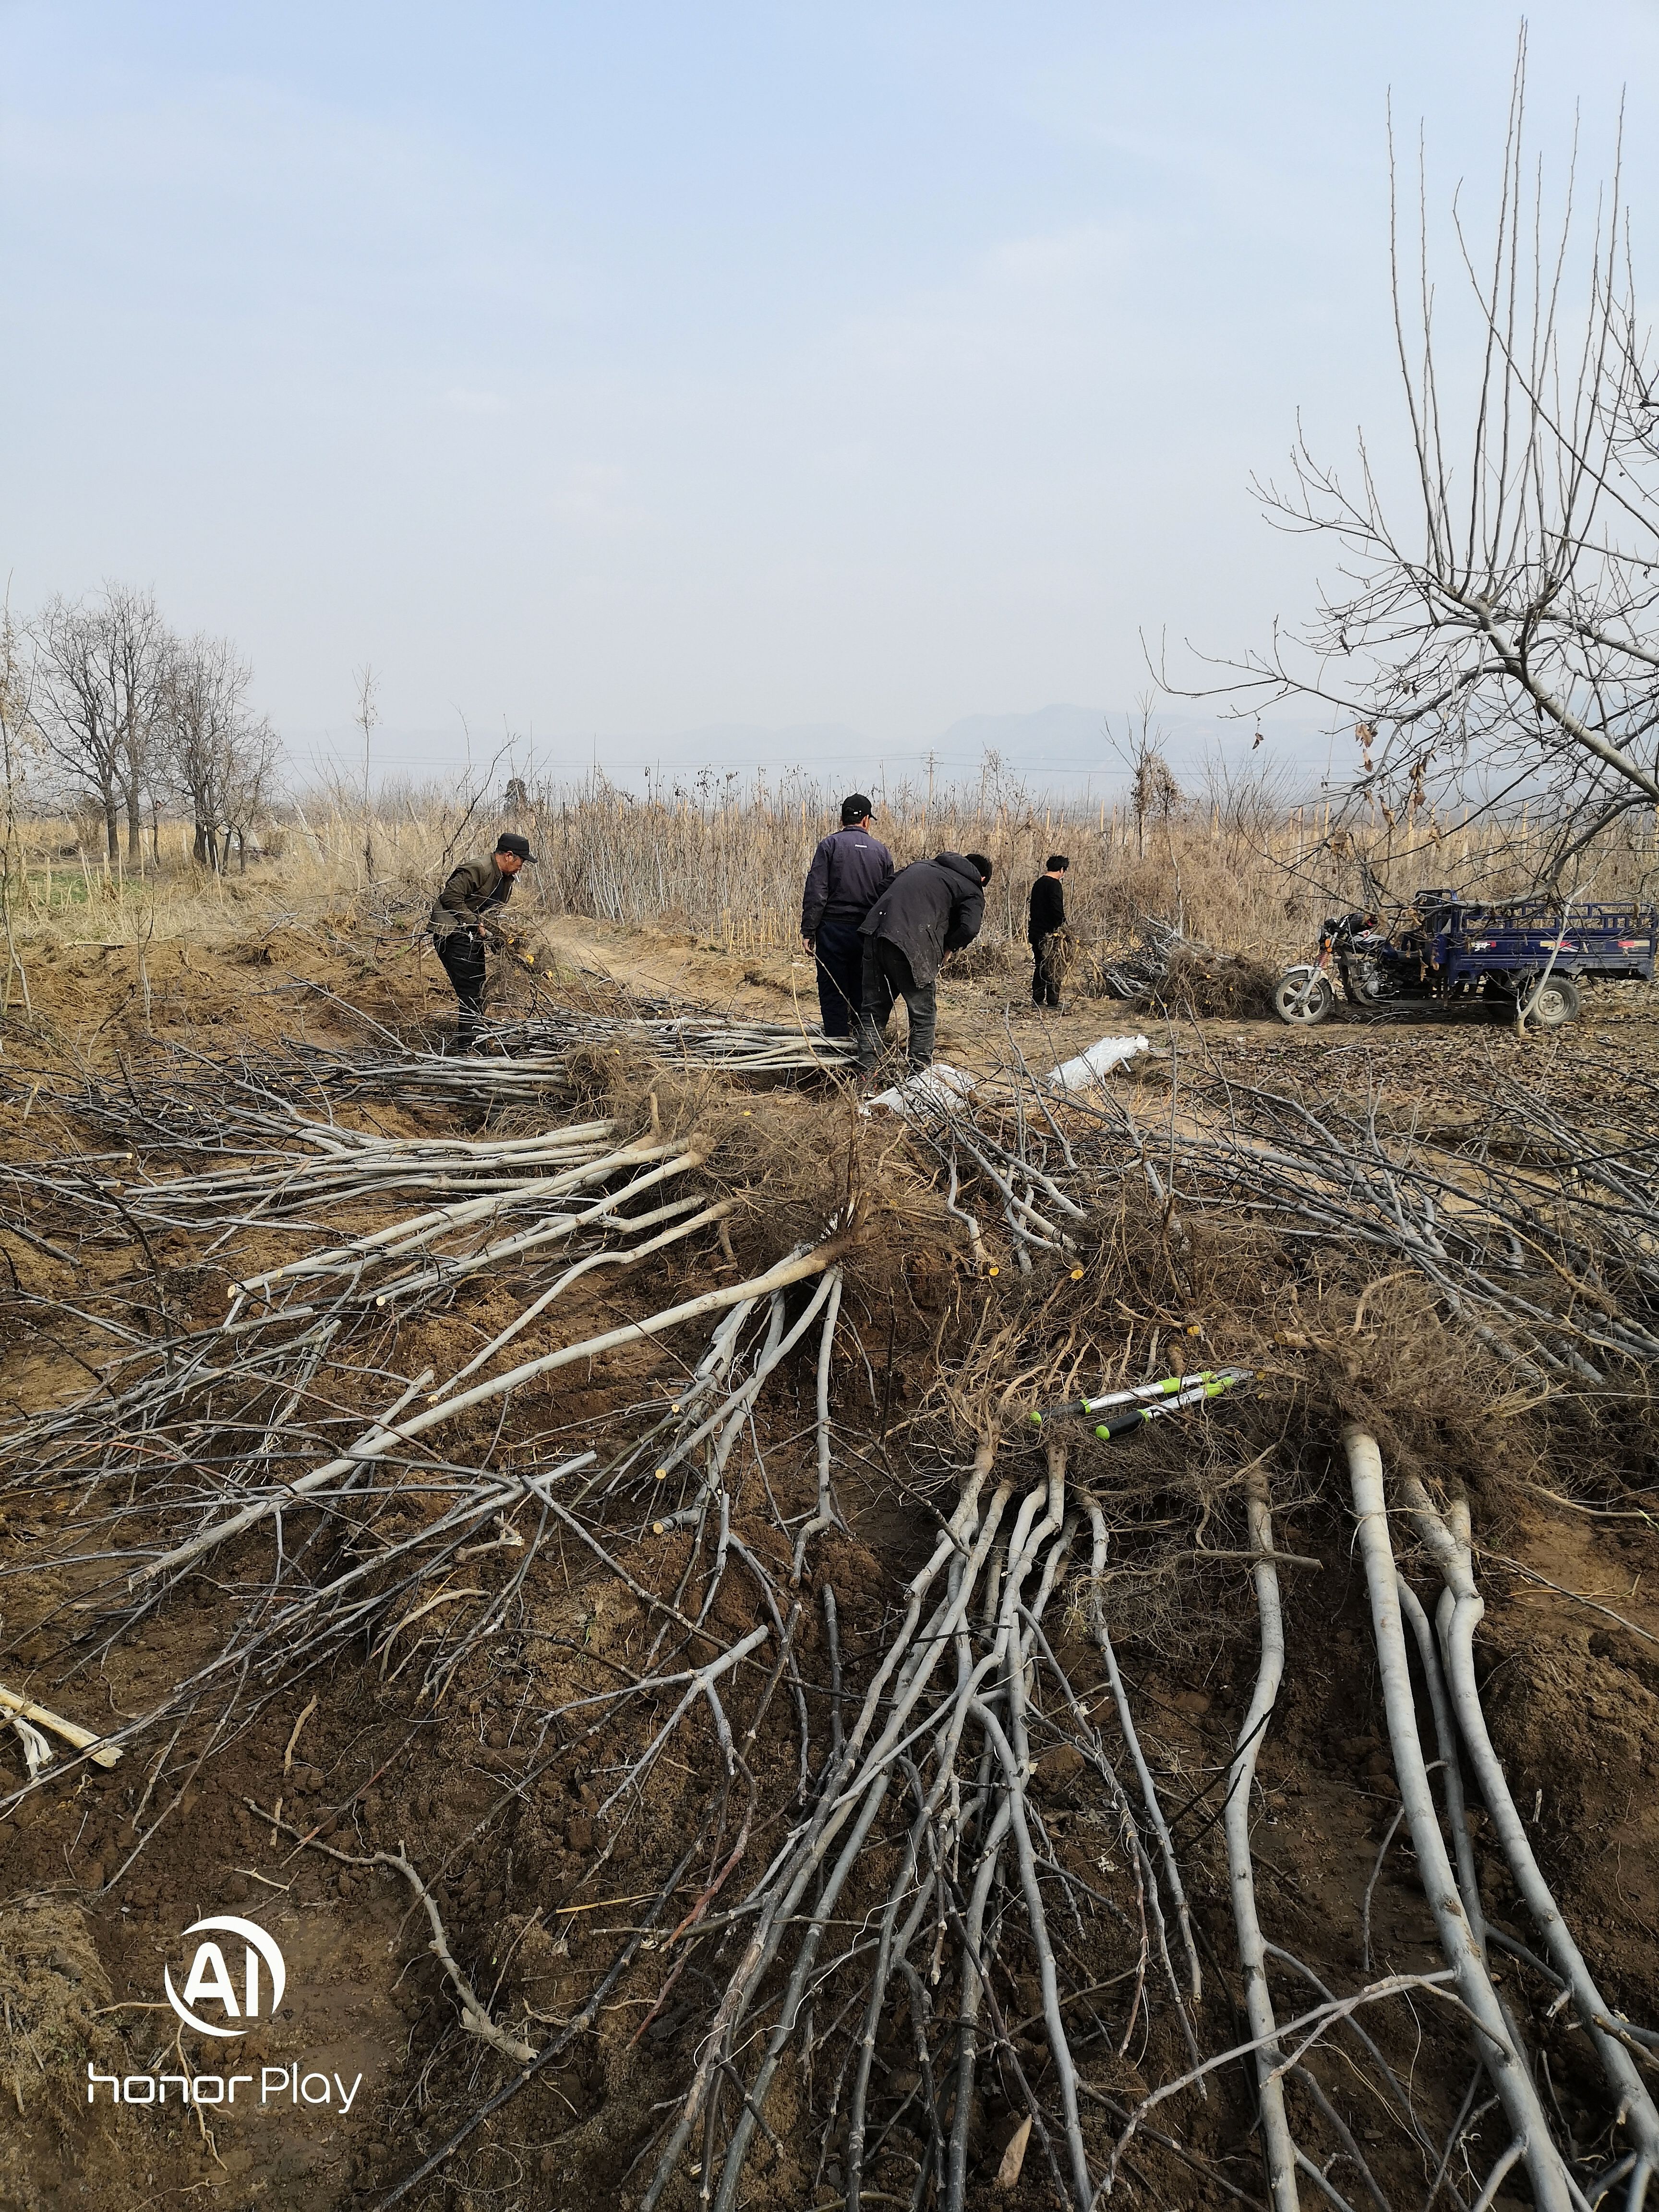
x=850, y=871
x=474, y=892
x=930, y=909
x=1048, y=914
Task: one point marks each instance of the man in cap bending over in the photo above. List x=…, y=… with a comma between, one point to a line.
x=930, y=909
x=474, y=894
x=850, y=870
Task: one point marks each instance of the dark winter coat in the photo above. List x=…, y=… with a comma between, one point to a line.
x=930, y=909
x=477, y=886
x=1048, y=907
x=850, y=871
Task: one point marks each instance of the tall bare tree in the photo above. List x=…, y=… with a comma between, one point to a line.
x=250, y=779
x=367, y=714
x=220, y=759
x=1154, y=795
x=1495, y=631
x=14, y=730
x=100, y=680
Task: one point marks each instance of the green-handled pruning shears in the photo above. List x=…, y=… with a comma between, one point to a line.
x=1125, y=1410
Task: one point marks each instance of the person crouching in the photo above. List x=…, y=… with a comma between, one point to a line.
x=473, y=893
x=930, y=909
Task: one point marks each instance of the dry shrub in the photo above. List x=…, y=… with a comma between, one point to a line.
x=1330, y=1334
x=1079, y=967
x=1135, y=888
x=799, y=1161
x=791, y=1158
x=1201, y=981
x=984, y=960
x=1190, y=978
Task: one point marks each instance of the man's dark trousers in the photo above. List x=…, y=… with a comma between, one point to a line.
x=887, y=978
x=841, y=976
x=462, y=953
x=1045, y=992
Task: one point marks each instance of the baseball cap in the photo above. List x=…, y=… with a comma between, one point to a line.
x=855, y=806
x=510, y=841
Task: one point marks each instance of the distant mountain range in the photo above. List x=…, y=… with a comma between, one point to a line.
x=1057, y=749
x=1090, y=741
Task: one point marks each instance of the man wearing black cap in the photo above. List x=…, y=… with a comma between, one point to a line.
x=850, y=871
x=473, y=895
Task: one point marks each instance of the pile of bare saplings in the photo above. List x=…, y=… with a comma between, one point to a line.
x=817, y=1529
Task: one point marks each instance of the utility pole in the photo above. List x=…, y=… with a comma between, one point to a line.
x=930, y=783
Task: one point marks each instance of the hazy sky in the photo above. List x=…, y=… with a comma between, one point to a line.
x=620, y=370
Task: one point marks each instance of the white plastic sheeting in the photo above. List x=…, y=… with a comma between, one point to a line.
x=1088, y=1068
x=941, y=1085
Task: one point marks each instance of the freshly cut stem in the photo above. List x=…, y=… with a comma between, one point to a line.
x=1461, y=1612
x=1278, y=2144
x=379, y=1440
x=625, y=1258
x=1143, y=1772
x=825, y=1516
x=1503, y=2060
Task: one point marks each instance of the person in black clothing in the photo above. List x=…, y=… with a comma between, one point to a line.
x=471, y=894
x=850, y=871
x=1048, y=914
x=930, y=909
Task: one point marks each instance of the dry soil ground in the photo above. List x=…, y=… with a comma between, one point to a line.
x=1573, y=1692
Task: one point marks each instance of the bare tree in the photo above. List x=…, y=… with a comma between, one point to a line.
x=250, y=782
x=221, y=760
x=1497, y=633
x=367, y=714
x=14, y=726
x=1154, y=795
x=99, y=678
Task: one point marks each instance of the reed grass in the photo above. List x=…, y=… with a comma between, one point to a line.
x=723, y=863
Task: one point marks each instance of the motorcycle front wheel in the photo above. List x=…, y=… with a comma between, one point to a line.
x=1304, y=1000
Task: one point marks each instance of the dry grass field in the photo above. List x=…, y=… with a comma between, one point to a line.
x=724, y=863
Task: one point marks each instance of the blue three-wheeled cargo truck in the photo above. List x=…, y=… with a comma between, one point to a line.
x=1449, y=951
